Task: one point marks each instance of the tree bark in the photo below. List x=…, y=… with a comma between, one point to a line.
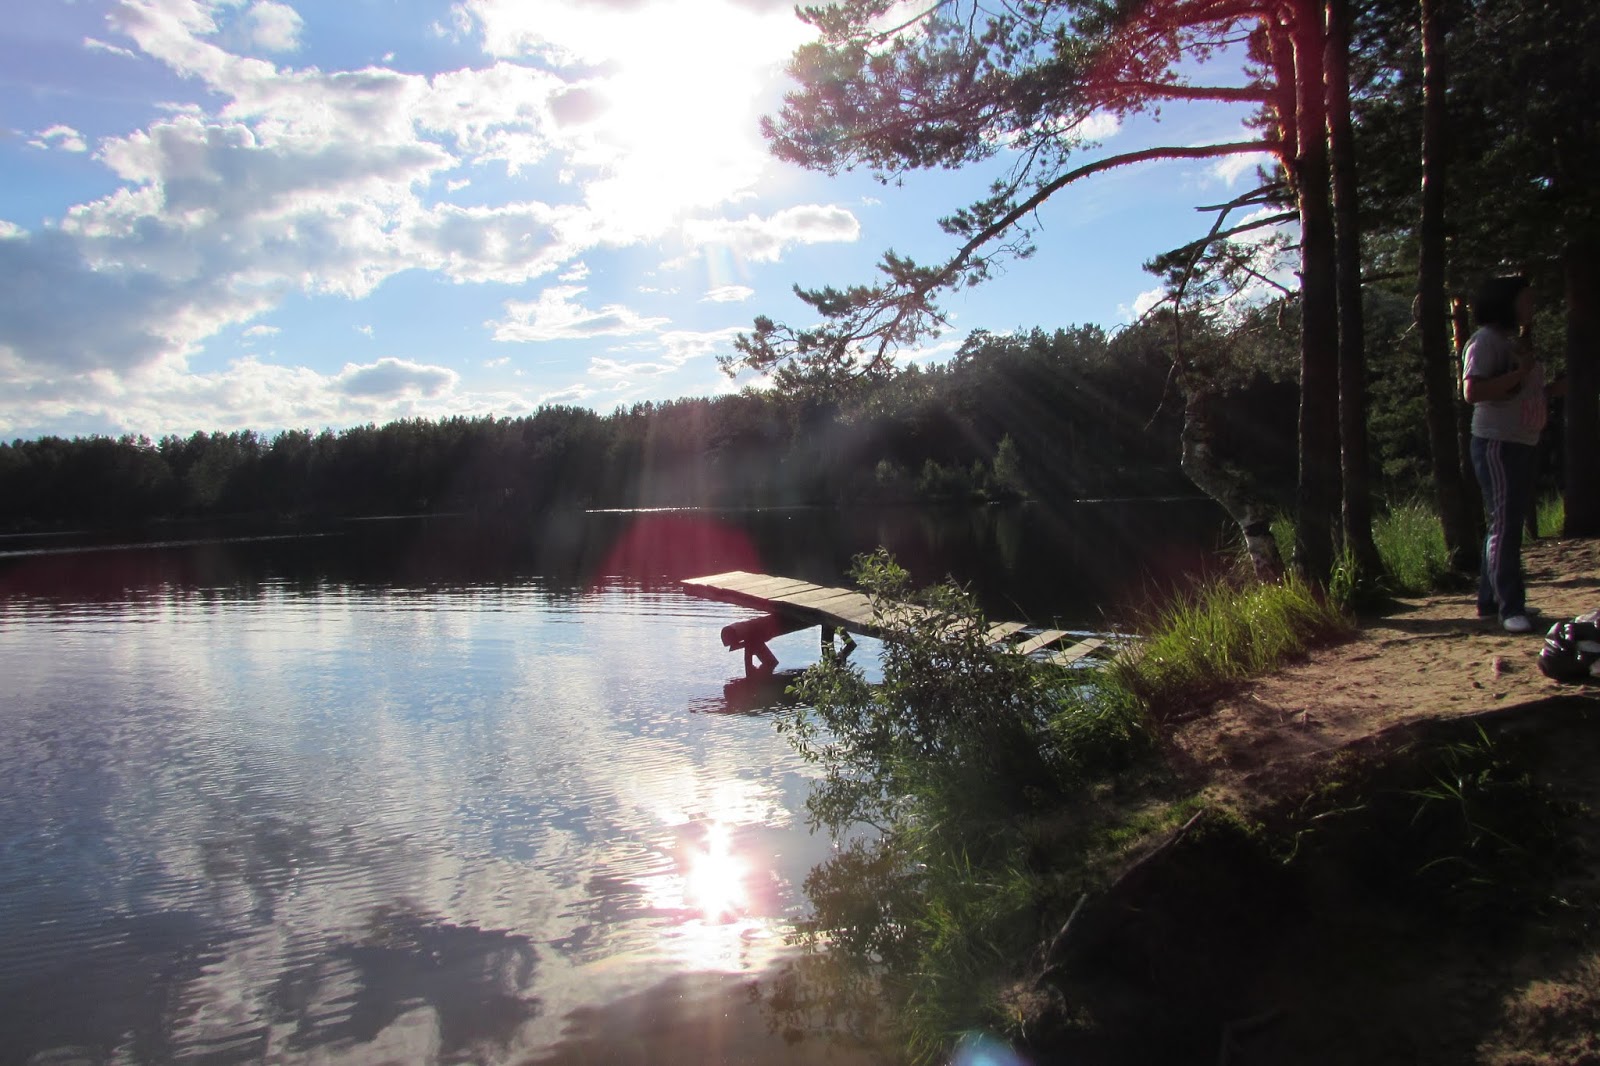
x=1233, y=488
x=1440, y=375
x=1355, y=468
x=1317, y=497
x=1581, y=445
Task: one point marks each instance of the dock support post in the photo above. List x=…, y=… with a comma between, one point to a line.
x=758, y=659
x=828, y=651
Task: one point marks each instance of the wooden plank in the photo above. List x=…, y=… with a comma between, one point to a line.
x=1001, y=630
x=779, y=587
x=718, y=580
x=744, y=589
x=1068, y=656
x=858, y=620
x=757, y=584
x=745, y=583
x=1043, y=640
x=821, y=599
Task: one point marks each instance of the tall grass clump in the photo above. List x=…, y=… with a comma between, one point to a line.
x=1202, y=641
x=1552, y=515
x=1410, y=542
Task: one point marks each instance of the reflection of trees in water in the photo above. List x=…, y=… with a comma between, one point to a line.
x=114, y=989
x=476, y=982
x=123, y=991
x=835, y=988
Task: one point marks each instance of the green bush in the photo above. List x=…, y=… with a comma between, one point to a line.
x=973, y=793
x=948, y=760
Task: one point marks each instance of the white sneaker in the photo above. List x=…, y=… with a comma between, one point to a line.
x=1517, y=623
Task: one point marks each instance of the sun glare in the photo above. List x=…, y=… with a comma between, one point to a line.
x=680, y=87
x=714, y=883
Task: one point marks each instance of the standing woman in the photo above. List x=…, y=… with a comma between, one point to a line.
x=1503, y=380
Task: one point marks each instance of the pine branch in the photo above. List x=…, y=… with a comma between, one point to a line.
x=900, y=310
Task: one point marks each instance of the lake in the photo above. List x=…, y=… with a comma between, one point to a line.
x=441, y=790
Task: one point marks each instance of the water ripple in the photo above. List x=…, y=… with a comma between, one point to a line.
x=248, y=827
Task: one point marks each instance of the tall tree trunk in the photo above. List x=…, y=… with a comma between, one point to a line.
x=1233, y=488
x=1317, y=496
x=1354, y=461
x=1581, y=446
x=1440, y=375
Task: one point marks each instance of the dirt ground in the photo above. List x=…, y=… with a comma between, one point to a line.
x=1320, y=967
x=1424, y=658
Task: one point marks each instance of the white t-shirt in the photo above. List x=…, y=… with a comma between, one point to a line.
x=1520, y=416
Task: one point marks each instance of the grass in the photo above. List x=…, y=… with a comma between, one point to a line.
x=1552, y=515
x=1410, y=542
x=1222, y=634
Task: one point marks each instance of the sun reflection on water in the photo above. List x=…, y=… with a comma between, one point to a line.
x=715, y=882
x=719, y=920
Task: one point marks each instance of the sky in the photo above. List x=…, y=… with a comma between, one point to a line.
x=257, y=214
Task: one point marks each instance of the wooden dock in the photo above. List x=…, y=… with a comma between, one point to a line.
x=791, y=605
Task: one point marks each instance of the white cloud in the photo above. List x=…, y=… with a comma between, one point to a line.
x=61, y=311
x=1229, y=169
x=65, y=138
x=1142, y=303
x=765, y=239
x=303, y=181
x=508, y=244
x=669, y=350
x=95, y=45
x=390, y=378
x=571, y=395
x=931, y=353
x=283, y=181
x=611, y=370
x=1100, y=126
x=365, y=331
x=272, y=26
x=728, y=294
x=247, y=394
x=555, y=316
x=261, y=331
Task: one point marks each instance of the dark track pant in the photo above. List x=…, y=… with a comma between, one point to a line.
x=1506, y=474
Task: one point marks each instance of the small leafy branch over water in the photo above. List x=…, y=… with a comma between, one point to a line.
x=976, y=795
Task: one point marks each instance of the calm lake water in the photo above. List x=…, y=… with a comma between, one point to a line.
x=431, y=791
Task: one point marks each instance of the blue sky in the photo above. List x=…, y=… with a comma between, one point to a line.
x=227, y=214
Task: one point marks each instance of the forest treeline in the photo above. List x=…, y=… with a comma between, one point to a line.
x=1069, y=414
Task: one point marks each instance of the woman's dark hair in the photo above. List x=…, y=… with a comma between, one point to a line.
x=1496, y=303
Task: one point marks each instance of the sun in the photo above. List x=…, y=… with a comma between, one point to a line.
x=678, y=87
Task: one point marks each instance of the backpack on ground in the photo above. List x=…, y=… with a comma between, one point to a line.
x=1571, y=652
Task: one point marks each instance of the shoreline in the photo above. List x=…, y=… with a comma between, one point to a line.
x=1389, y=854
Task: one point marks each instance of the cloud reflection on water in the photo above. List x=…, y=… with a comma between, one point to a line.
x=426, y=826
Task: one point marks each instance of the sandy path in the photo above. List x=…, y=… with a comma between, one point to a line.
x=1426, y=658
